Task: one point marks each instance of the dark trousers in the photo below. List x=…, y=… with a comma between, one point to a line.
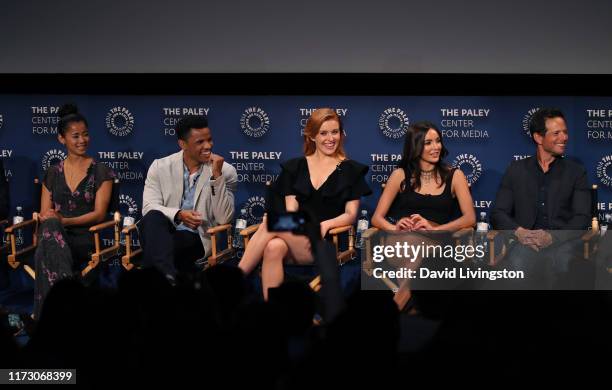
x=167, y=249
x=550, y=268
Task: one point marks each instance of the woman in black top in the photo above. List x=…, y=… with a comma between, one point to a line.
x=424, y=193
x=324, y=183
x=75, y=195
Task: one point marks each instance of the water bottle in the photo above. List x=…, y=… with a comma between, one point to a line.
x=605, y=224
x=482, y=229
x=128, y=220
x=238, y=242
x=18, y=218
x=362, y=225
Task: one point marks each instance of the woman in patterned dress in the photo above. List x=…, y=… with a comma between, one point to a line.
x=75, y=196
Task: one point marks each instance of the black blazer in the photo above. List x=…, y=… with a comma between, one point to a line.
x=569, y=197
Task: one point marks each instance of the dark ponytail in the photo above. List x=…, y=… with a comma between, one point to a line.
x=67, y=114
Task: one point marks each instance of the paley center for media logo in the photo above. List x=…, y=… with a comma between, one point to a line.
x=255, y=207
x=393, y=123
x=470, y=165
x=527, y=119
x=603, y=170
x=52, y=157
x=119, y=121
x=254, y=122
x=128, y=202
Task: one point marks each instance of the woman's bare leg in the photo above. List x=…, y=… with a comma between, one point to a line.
x=299, y=247
x=404, y=293
x=272, y=248
x=254, y=251
x=282, y=247
x=272, y=271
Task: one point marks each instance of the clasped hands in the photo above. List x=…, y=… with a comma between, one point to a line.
x=190, y=218
x=413, y=223
x=535, y=239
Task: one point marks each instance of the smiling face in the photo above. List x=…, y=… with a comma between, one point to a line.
x=198, y=146
x=432, y=147
x=75, y=138
x=554, y=141
x=328, y=138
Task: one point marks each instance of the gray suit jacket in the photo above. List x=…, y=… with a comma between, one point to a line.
x=164, y=189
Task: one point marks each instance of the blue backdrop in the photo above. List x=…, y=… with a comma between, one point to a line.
x=255, y=133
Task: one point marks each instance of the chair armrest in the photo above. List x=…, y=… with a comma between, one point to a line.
x=247, y=231
x=589, y=235
x=492, y=234
x=128, y=229
x=463, y=232
x=104, y=225
x=101, y=226
x=340, y=229
x=220, y=228
x=369, y=232
x=19, y=225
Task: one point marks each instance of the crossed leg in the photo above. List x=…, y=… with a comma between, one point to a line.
x=404, y=293
x=272, y=249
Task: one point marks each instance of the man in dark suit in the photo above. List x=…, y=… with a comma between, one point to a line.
x=545, y=201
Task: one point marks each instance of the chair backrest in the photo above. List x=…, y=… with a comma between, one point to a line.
x=275, y=202
x=594, y=211
x=594, y=200
x=114, y=200
x=37, y=195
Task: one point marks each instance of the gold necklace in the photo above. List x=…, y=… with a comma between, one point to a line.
x=426, y=176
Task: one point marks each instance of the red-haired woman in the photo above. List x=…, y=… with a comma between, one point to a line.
x=324, y=183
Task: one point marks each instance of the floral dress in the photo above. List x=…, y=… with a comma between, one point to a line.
x=61, y=251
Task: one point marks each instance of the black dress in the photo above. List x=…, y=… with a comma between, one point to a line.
x=440, y=209
x=61, y=251
x=345, y=183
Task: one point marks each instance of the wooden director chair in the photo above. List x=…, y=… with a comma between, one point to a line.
x=273, y=202
x=590, y=239
x=16, y=258
x=217, y=256
x=371, y=237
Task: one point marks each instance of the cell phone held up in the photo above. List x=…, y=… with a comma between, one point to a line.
x=294, y=222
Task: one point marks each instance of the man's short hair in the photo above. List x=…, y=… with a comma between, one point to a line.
x=537, y=124
x=186, y=123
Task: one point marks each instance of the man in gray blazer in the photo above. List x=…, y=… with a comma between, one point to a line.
x=185, y=194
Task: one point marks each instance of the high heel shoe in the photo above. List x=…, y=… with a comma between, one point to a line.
x=405, y=301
